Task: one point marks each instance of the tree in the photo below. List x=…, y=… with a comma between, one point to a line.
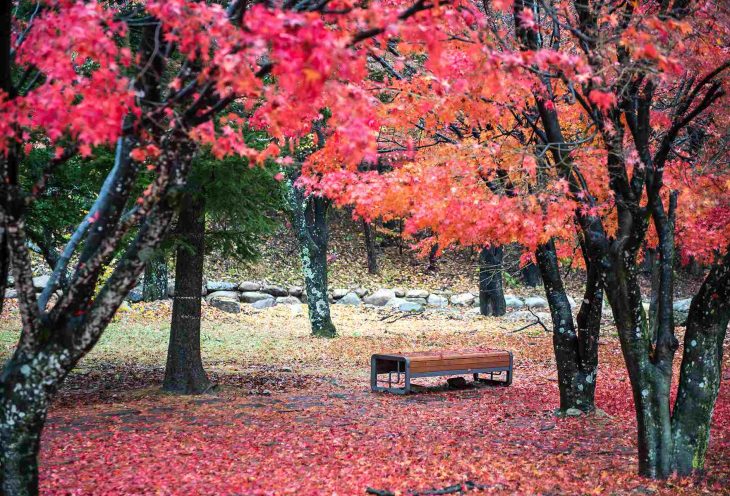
x=588, y=113
x=227, y=207
x=491, y=295
x=69, y=82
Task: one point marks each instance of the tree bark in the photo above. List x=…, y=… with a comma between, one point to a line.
x=576, y=351
x=184, y=373
x=530, y=275
x=309, y=215
x=370, y=247
x=155, y=278
x=491, y=294
x=701, y=371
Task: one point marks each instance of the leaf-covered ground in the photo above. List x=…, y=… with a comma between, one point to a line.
x=294, y=415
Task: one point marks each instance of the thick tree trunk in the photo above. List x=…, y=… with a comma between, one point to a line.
x=530, y=275
x=701, y=371
x=370, y=247
x=184, y=372
x=155, y=278
x=491, y=294
x=309, y=215
x=576, y=352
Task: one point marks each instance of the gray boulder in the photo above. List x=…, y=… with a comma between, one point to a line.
x=223, y=301
x=536, y=302
x=420, y=301
x=295, y=291
x=213, y=286
x=438, y=301
x=40, y=282
x=462, y=300
x=288, y=300
x=572, y=302
x=409, y=306
x=361, y=292
x=248, y=286
x=513, y=301
x=135, y=296
x=681, y=311
x=261, y=304
x=417, y=293
x=11, y=293
x=274, y=290
x=399, y=292
x=350, y=299
x=380, y=297
x=338, y=293
x=254, y=296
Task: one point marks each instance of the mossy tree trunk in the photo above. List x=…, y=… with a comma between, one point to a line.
x=309, y=218
x=184, y=372
x=491, y=293
x=575, y=343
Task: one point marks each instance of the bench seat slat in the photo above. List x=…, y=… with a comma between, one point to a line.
x=460, y=365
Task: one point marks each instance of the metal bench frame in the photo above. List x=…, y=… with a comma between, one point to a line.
x=403, y=367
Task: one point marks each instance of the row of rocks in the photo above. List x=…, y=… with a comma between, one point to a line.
x=228, y=296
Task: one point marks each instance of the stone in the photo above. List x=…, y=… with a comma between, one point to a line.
x=438, y=301
x=681, y=311
x=295, y=291
x=124, y=307
x=456, y=382
x=135, y=295
x=462, y=300
x=40, y=282
x=224, y=302
x=601, y=413
x=11, y=293
x=254, y=296
x=288, y=300
x=338, y=293
x=361, y=292
x=536, y=302
x=231, y=295
x=274, y=290
x=513, y=301
x=571, y=302
x=350, y=299
x=399, y=292
x=213, y=286
x=420, y=301
x=171, y=289
x=380, y=297
x=247, y=286
x=409, y=306
x=296, y=309
x=417, y=293
x=573, y=412
x=261, y=304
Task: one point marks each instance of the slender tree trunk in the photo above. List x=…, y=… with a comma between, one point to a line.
x=309, y=215
x=370, y=247
x=530, y=275
x=576, y=351
x=491, y=294
x=431, y=267
x=155, y=278
x=184, y=372
x=701, y=371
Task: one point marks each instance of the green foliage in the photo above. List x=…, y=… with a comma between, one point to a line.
x=70, y=193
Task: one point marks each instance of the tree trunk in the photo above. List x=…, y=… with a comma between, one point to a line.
x=576, y=352
x=309, y=215
x=431, y=267
x=491, y=294
x=155, y=278
x=701, y=371
x=530, y=275
x=370, y=247
x=184, y=372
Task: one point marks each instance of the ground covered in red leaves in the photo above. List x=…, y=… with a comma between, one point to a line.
x=305, y=423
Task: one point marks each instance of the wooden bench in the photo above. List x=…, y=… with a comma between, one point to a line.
x=407, y=366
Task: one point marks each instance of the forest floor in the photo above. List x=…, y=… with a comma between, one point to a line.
x=293, y=414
